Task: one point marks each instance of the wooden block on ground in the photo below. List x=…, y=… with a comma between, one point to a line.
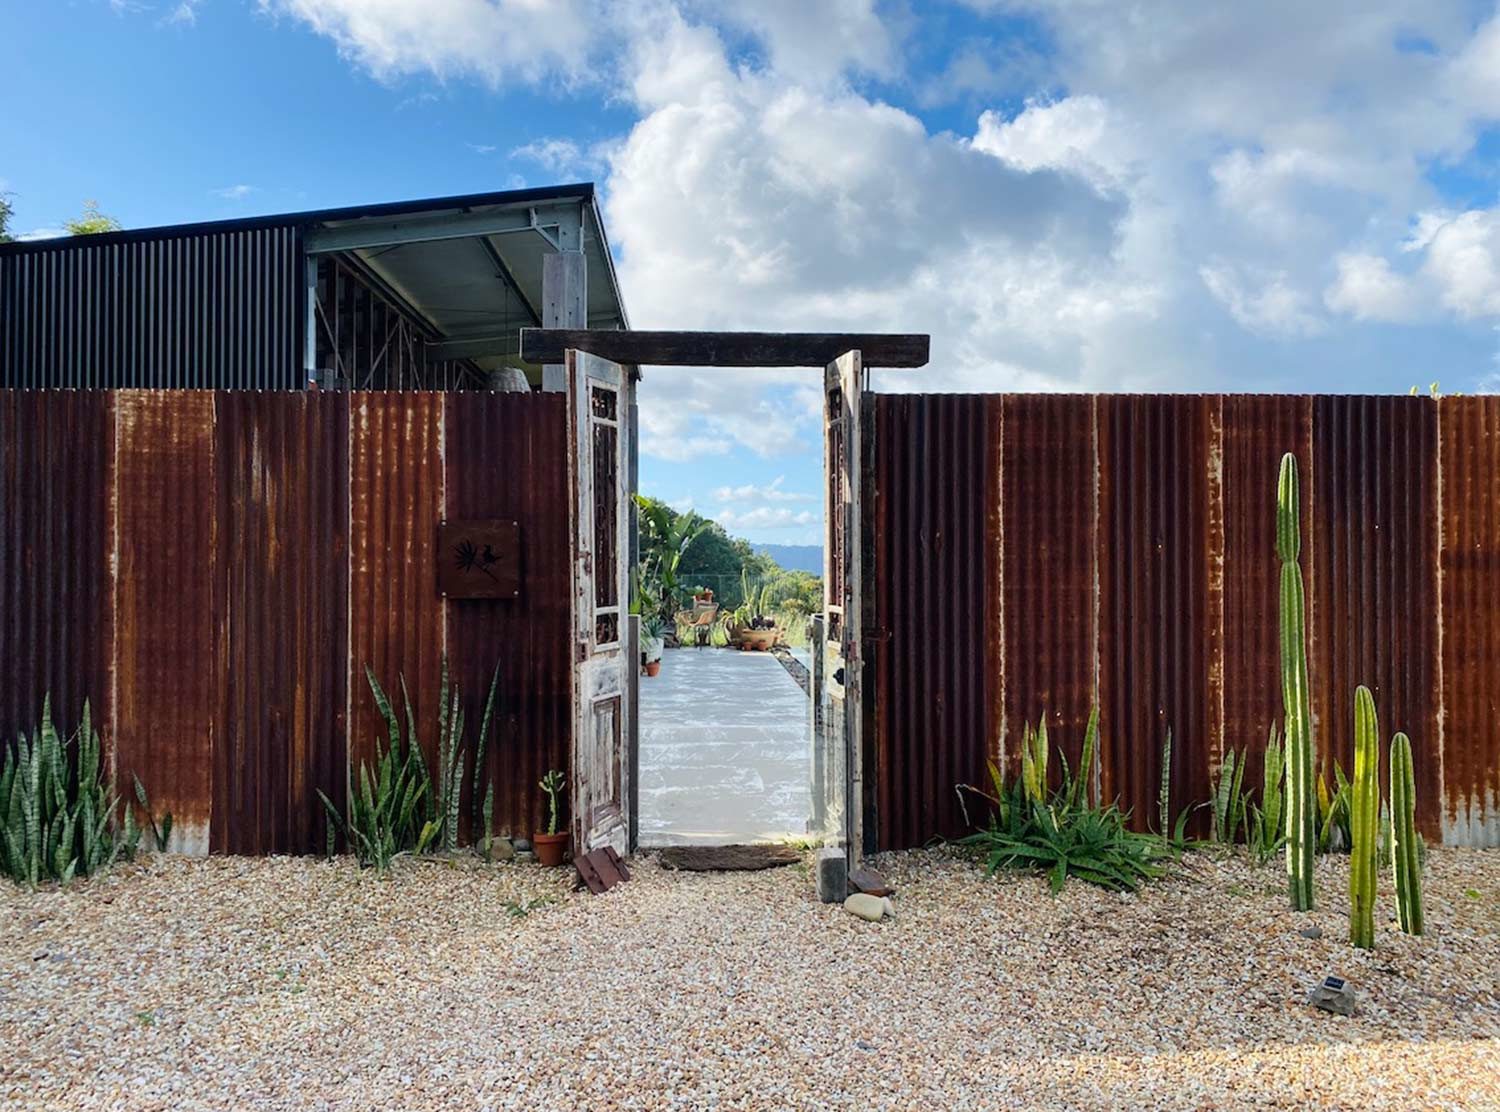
x=601, y=869
x=712, y=859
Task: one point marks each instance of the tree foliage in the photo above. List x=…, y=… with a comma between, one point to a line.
x=712, y=558
x=91, y=222
x=6, y=213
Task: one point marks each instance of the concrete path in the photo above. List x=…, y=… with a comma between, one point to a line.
x=724, y=749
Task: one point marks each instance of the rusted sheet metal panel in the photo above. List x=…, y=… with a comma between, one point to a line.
x=395, y=613
x=1257, y=431
x=1374, y=608
x=281, y=469
x=506, y=457
x=167, y=641
x=1048, y=474
x=1157, y=623
x=935, y=482
x=56, y=545
x=1470, y=491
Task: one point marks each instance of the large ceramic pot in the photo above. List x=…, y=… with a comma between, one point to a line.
x=758, y=640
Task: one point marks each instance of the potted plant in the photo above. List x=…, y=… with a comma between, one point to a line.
x=653, y=640
x=755, y=628
x=551, y=846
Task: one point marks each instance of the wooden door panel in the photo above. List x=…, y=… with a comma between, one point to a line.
x=596, y=393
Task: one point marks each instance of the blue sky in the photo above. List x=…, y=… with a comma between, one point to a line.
x=1078, y=195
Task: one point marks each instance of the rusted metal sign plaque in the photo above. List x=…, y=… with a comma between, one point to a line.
x=479, y=559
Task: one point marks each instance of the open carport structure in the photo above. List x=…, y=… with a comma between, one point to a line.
x=426, y=293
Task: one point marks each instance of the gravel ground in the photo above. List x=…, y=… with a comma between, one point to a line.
x=288, y=983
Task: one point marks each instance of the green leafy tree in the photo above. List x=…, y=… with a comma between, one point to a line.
x=683, y=551
x=91, y=222
x=6, y=213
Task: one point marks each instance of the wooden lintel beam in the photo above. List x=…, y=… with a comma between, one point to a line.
x=725, y=349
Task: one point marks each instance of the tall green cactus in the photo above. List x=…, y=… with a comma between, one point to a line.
x=1301, y=824
x=1364, y=806
x=1406, y=861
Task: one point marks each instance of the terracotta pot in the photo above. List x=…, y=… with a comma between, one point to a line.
x=653, y=667
x=758, y=640
x=550, y=848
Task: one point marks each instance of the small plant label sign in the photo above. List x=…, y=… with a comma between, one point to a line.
x=479, y=559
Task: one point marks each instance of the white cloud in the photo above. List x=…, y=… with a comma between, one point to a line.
x=769, y=492
x=482, y=148
x=1463, y=261
x=557, y=156
x=186, y=12
x=1457, y=272
x=491, y=40
x=1368, y=289
x=234, y=192
x=765, y=517
x=1075, y=134
x=1262, y=302
x=1189, y=192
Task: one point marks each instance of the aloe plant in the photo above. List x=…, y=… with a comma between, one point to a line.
x=1295, y=692
x=1405, y=843
x=1365, y=812
x=1063, y=833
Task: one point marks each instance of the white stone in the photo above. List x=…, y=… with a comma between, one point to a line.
x=873, y=908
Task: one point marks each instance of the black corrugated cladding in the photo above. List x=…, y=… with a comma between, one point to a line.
x=204, y=308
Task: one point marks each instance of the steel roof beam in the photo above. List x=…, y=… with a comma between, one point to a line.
x=552, y=222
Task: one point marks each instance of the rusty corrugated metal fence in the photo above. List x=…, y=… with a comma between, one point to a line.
x=1034, y=553
x=214, y=570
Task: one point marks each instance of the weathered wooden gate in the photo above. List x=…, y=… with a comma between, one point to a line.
x=837, y=759
x=604, y=656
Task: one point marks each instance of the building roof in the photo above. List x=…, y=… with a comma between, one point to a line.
x=470, y=265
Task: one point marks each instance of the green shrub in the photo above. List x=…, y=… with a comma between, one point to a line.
x=58, y=817
x=384, y=818
x=1063, y=832
x=396, y=806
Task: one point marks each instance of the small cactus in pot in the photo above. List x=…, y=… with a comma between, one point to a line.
x=551, y=846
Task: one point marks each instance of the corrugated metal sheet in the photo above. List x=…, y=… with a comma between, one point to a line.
x=1258, y=430
x=1048, y=512
x=396, y=621
x=506, y=457
x=55, y=552
x=1469, y=477
x=168, y=651
x=1157, y=621
x=282, y=470
x=194, y=309
x=934, y=488
x=1178, y=547
x=1374, y=608
x=228, y=562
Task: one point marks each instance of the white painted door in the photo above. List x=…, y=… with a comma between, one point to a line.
x=839, y=734
x=598, y=468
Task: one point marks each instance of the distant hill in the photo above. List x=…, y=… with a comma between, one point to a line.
x=795, y=557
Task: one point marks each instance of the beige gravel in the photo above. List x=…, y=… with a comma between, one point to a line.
x=287, y=983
